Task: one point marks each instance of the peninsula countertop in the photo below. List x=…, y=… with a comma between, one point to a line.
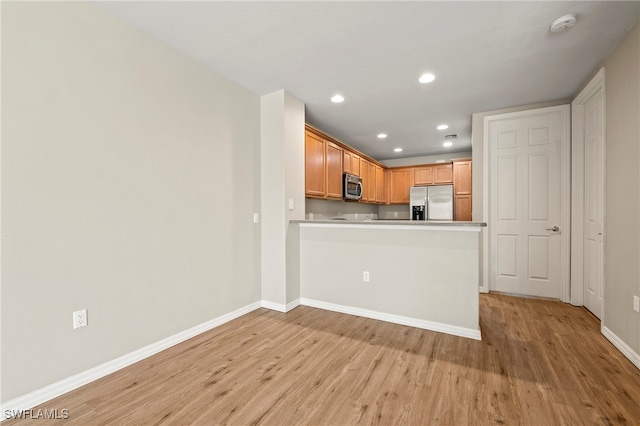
x=390, y=223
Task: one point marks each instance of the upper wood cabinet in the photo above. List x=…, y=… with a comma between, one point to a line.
x=364, y=175
x=462, y=177
x=462, y=184
x=323, y=167
x=433, y=174
x=371, y=174
x=423, y=175
x=315, y=165
x=400, y=181
x=381, y=183
x=442, y=174
x=334, y=171
x=351, y=163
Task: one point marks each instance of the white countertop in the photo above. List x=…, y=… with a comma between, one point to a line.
x=395, y=224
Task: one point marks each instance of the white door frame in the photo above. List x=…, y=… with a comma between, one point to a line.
x=565, y=195
x=577, y=199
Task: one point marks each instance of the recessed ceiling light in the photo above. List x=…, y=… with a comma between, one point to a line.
x=397, y=150
x=337, y=99
x=382, y=135
x=447, y=144
x=443, y=127
x=427, y=78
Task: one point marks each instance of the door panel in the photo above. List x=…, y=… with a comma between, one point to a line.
x=525, y=202
x=593, y=204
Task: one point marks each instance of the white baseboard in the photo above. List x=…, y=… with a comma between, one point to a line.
x=273, y=306
x=396, y=319
x=483, y=289
x=39, y=396
x=279, y=306
x=293, y=304
x=63, y=386
x=621, y=346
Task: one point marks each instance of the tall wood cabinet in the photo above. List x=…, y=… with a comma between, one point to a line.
x=315, y=165
x=323, y=167
x=462, y=179
x=400, y=182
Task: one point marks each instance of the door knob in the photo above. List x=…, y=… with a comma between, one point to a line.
x=554, y=229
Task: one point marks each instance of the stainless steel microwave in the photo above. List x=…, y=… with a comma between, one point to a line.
x=352, y=187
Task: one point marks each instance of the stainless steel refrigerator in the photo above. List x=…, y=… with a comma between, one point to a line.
x=431, y=202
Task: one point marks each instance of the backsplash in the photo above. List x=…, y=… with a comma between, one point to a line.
x=394, y=212
x=322, y=209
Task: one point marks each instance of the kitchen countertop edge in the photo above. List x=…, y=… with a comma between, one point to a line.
x=391, y=222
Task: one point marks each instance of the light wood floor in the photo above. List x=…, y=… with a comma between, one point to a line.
x=539, y=363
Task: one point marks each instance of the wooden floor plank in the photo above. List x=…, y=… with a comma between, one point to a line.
x=540, y=363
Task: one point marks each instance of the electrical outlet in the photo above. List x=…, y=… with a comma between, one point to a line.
x=292, y=204
x=256, y=217
x=365, y=276
x=636, y=303
x=395, y=214
x=80, y=319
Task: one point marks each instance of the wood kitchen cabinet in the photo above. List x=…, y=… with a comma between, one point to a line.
x=462, y=180
x=433, y=174
x=381, y=181
x=326, y=159
x=351, y=163
x=315, y=165
x=323, y=168
x=423, y=175
x=364, y=175
x=371, y=174
x=334, y=171
x=400, y=181
x=442, y=174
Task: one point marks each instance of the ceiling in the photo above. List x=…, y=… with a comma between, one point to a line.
x=485, y=55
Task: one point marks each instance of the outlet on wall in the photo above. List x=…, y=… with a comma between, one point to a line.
x=636, y=303
x=80, y=319
x=365, y=276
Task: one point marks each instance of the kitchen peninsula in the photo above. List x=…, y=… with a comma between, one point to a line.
x=417, y=273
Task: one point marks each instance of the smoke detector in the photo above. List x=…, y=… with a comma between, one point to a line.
x=563, y=23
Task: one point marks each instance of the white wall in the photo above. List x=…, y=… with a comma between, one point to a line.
x=622, y=190
x=427, y=274
x=128, y=186
x=282, y=173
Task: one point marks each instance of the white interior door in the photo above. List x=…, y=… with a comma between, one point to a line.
x=528, y=205
x=593, y=203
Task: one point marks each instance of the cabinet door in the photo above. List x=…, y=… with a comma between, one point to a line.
x=401, y=181
x=315, y=165
x=442, y=174
x=462, y=177
x=355, y=164
x=364, y=175
x=423, y=175
x=462, y=207
x=334, y=171
x=380, y=185
x=372, y=182
x=346, y=162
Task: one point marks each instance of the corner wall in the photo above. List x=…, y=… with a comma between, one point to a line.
x=622, y=191
x=128, y=187
x=282, y=183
